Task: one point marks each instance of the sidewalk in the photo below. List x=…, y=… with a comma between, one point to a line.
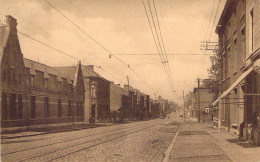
x=201, y=142
x=235, y=150
x=51, y=129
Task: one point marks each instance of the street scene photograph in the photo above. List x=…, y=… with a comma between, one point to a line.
x=130, y=80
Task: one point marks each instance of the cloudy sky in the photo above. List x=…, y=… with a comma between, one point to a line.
x=121, y=26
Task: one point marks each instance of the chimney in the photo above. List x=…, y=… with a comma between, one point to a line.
x=91, y=67
x=11, y=22
x=118, y=85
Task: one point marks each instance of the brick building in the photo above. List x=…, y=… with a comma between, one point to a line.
x=202, y=100
x=119, y=102
x=97, y=94
x=162, y=103
x=239, y=37
x=132, y=112
x=33, y=93
x=189, y=104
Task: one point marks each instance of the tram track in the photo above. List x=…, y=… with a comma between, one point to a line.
x=62, y=141
x=78, y=143
x=102, y=142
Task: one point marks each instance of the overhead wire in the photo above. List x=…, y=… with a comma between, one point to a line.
x=64, y=53
x=92, y=38
x=161, y=48
x=202, y=58
x=157, y=46
x=214, y=20
x=167, y=61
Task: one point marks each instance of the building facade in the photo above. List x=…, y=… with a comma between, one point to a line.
x=132, y=111
x=239, y=40
x=119, y=103
x=97, y=94
x=33, y=93
x=202, y=100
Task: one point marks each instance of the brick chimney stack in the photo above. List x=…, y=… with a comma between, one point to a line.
x=91, y=66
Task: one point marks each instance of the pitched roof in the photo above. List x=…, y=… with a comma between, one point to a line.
x=36, y=66
x=89, y=71
x=118, y=89
x=67, y=70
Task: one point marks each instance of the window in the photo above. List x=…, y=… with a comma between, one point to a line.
x=20, y=79
x=46, y=108
x=235, y=90
x=251, y=31
x=14, y=77
x=59, y=108
x=12, y=107
x=243, y=31
x=93, y=90
x=4, y=106
x=69, y=108
x=77, y=108
x=235, y=41
x=46, y=83
x=20, y=106
x=81, y=109
x=32, y=80
x=4, y=75
x=33, y=107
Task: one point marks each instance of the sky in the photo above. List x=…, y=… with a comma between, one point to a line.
x=121, y=26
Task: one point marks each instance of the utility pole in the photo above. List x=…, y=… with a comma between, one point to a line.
x=129, y=114
x=199, y=98
x=154, y=96
x=208, y=45
x=127, y=83
x=183, y=106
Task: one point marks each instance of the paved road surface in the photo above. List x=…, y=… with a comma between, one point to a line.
x=139, y=141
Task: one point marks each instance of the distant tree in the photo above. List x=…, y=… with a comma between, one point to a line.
x=213, y=71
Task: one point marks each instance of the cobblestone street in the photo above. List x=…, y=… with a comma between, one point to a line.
x=139, y=141
x=152, y=140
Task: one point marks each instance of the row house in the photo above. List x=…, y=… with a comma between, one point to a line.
x=140, y=114
x=239, y=49
x=97, y=94
x=119, y=102
x=132, y=100
x=33, y=93
x=141, y=106
x=162, y=104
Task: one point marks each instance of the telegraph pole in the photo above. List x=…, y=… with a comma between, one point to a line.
x=127, y=83
x=129, y=111
x=199, y=98
x=183, y=106
x=155, y=95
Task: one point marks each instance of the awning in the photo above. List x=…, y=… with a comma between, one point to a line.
x=240, y=79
